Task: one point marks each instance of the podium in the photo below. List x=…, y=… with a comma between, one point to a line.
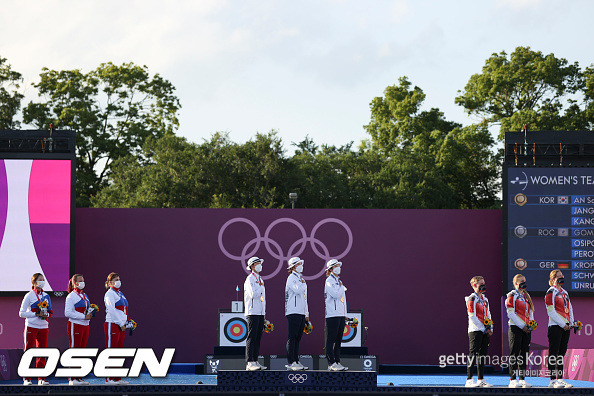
x=280, y=381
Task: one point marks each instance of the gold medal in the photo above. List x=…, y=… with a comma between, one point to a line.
x=305, y=297
x=341, y=299
x=262, y=298
x=566, y=310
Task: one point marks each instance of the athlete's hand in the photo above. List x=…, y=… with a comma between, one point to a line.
x=123, y=328
x=307, y=318
x=489, y=332
x=526, y=330
x=88, y=316
x=566, y=327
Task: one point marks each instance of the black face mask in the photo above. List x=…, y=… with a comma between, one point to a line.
x=482, y=288
x=560, y=281
x=523, y=286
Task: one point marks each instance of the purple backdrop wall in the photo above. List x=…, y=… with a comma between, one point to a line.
x=408, y=270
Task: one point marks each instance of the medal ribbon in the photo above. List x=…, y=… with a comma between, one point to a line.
x=565, y=300
x=526, y=308
x=82, y=296
x=485, y=307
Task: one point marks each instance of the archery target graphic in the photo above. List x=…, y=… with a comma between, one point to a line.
x=352, y=336
x=232, y=329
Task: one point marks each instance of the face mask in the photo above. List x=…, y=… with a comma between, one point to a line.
x=117, y=284
x=41, y=284
x=523, y=286
x=299, y=268
x=81, y=285
x=336, y=270
x=482, y=288
x=560, y=281
x=258, y=267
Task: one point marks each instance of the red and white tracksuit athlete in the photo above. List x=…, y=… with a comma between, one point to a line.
x=559, y=307
x=36, y=328
x=478, y=310
x=116, y=315
x=518, y=309
x=75, y=309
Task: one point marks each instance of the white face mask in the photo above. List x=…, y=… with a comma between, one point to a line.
x=81, y=285
x=299, y=268
x=40, y=284
x=336, y=270
x=117, y=284
x=258, y=267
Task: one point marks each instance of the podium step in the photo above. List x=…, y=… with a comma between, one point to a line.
x=275, y=381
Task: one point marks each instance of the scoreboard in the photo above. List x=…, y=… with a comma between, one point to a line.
x=548, y=225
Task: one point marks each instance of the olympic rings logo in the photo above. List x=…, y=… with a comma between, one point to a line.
x=297, y=378
x=276, y=251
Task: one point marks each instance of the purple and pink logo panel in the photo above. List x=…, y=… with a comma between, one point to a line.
x=35, y=205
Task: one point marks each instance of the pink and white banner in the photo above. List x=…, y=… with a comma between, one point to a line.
x=35, y=205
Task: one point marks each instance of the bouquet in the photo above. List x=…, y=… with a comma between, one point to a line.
x=532, y=325
x=488, y=323
x=43, y=306
x=131, y=325
x=93, y=309
x=577, y=326
x=308, y=328
x=268, y=326
x=353, y=322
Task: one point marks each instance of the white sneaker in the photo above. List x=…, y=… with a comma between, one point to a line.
x=552, y=383
x=76, y=382
x=525, y=384
x=111, y=382
x=122, y=382
x=252, y=366
x=333, y=367
x=470, y=383
x=261, y=367
x=294, y=366
x=514, y=384
x=556, y=384
x=42, y=382
x=565, y=384
x=341, y=367
x=302, y=366
x=27, y=382
x=484, y=384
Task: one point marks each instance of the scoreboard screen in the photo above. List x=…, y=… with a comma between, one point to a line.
x=549, y=224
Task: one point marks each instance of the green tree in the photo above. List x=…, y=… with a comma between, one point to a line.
x=333, y=177
x=10, y=97
x=396, y=117
x=428, y=161
x=216, y=173
x=526, y=88
x=114, y=110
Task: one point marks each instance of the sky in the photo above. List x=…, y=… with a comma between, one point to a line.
x=298, y=67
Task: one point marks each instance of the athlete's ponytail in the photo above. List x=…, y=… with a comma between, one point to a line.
x=72, y=281
x=517, y=280
x=111, y=277
x=34, y=280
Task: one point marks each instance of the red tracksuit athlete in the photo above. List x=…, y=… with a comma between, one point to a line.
x=36, y=320
x=116, y=315
x=76, y=309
